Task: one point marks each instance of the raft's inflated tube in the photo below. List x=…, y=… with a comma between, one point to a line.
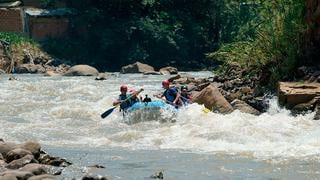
x=151, y=105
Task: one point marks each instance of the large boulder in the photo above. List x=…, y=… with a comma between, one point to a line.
x=43, y=177
x=137, y=67
x=184, y=80
x=168, y=70
x=304, y=107
x=35, y=169
x=213, y=100
x=5, y=147
x=81, y=70
x=18, y=163
x=244, y=107
x=293, y=93
x=15, y=174
x=33, y=147
x=17, y=154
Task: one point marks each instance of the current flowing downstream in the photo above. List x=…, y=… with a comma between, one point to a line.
x=63, y=114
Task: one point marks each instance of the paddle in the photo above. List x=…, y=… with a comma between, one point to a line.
x=109, y=111
x=169, y=102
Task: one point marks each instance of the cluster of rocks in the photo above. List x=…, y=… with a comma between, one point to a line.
x=225, y=93
x=146, y=69
x=34, y=61
x=233, y=90
x=28, y=161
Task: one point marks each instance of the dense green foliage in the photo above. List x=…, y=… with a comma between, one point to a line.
x=14, y=38
x=274, y=45
x=112, y=33
x=258, y=35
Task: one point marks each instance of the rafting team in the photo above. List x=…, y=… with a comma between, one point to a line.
x=171, y=96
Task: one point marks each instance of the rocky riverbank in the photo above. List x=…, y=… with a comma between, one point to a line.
x=28, y=161
x=233, y=90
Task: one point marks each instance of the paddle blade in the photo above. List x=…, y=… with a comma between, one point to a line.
x=109, y=111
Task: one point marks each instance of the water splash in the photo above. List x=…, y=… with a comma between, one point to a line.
x=66, y=112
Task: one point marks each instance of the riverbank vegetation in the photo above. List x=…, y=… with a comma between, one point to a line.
x=14, y=39
x=262, y=37
x=269, y=43
x=17, y=42
x=257, y=35
x=16, y=47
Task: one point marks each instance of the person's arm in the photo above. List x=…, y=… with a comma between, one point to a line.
x=118, y=101
x=160, y=96
x=177, y=98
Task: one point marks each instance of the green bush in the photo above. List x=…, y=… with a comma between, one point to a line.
x=276, y=42
x=15, y=38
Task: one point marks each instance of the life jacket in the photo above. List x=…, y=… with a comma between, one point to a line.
x=133, y=101
x=185, y=98
x=125, y=104
x=170, y=94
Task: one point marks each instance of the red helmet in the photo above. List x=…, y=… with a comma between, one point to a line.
x=165, y=83
x=123, y=88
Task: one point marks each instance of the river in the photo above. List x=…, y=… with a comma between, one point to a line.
x=63, y=114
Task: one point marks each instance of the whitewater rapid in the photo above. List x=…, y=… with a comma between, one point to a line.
x=65, y=112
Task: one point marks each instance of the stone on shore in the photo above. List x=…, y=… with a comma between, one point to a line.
x=43, y=177
x=82, y=70
x=26, y=160
x=136, y=67
x=168, y=70
x=294, y=93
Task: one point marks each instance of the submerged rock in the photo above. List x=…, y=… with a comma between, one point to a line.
x=157, y=175
x=244, y=107
x=101, y=77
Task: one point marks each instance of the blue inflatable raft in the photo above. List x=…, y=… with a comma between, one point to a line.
x=151, y=105
x=151, y=111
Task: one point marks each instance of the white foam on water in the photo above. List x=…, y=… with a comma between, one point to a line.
x=66, y=112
